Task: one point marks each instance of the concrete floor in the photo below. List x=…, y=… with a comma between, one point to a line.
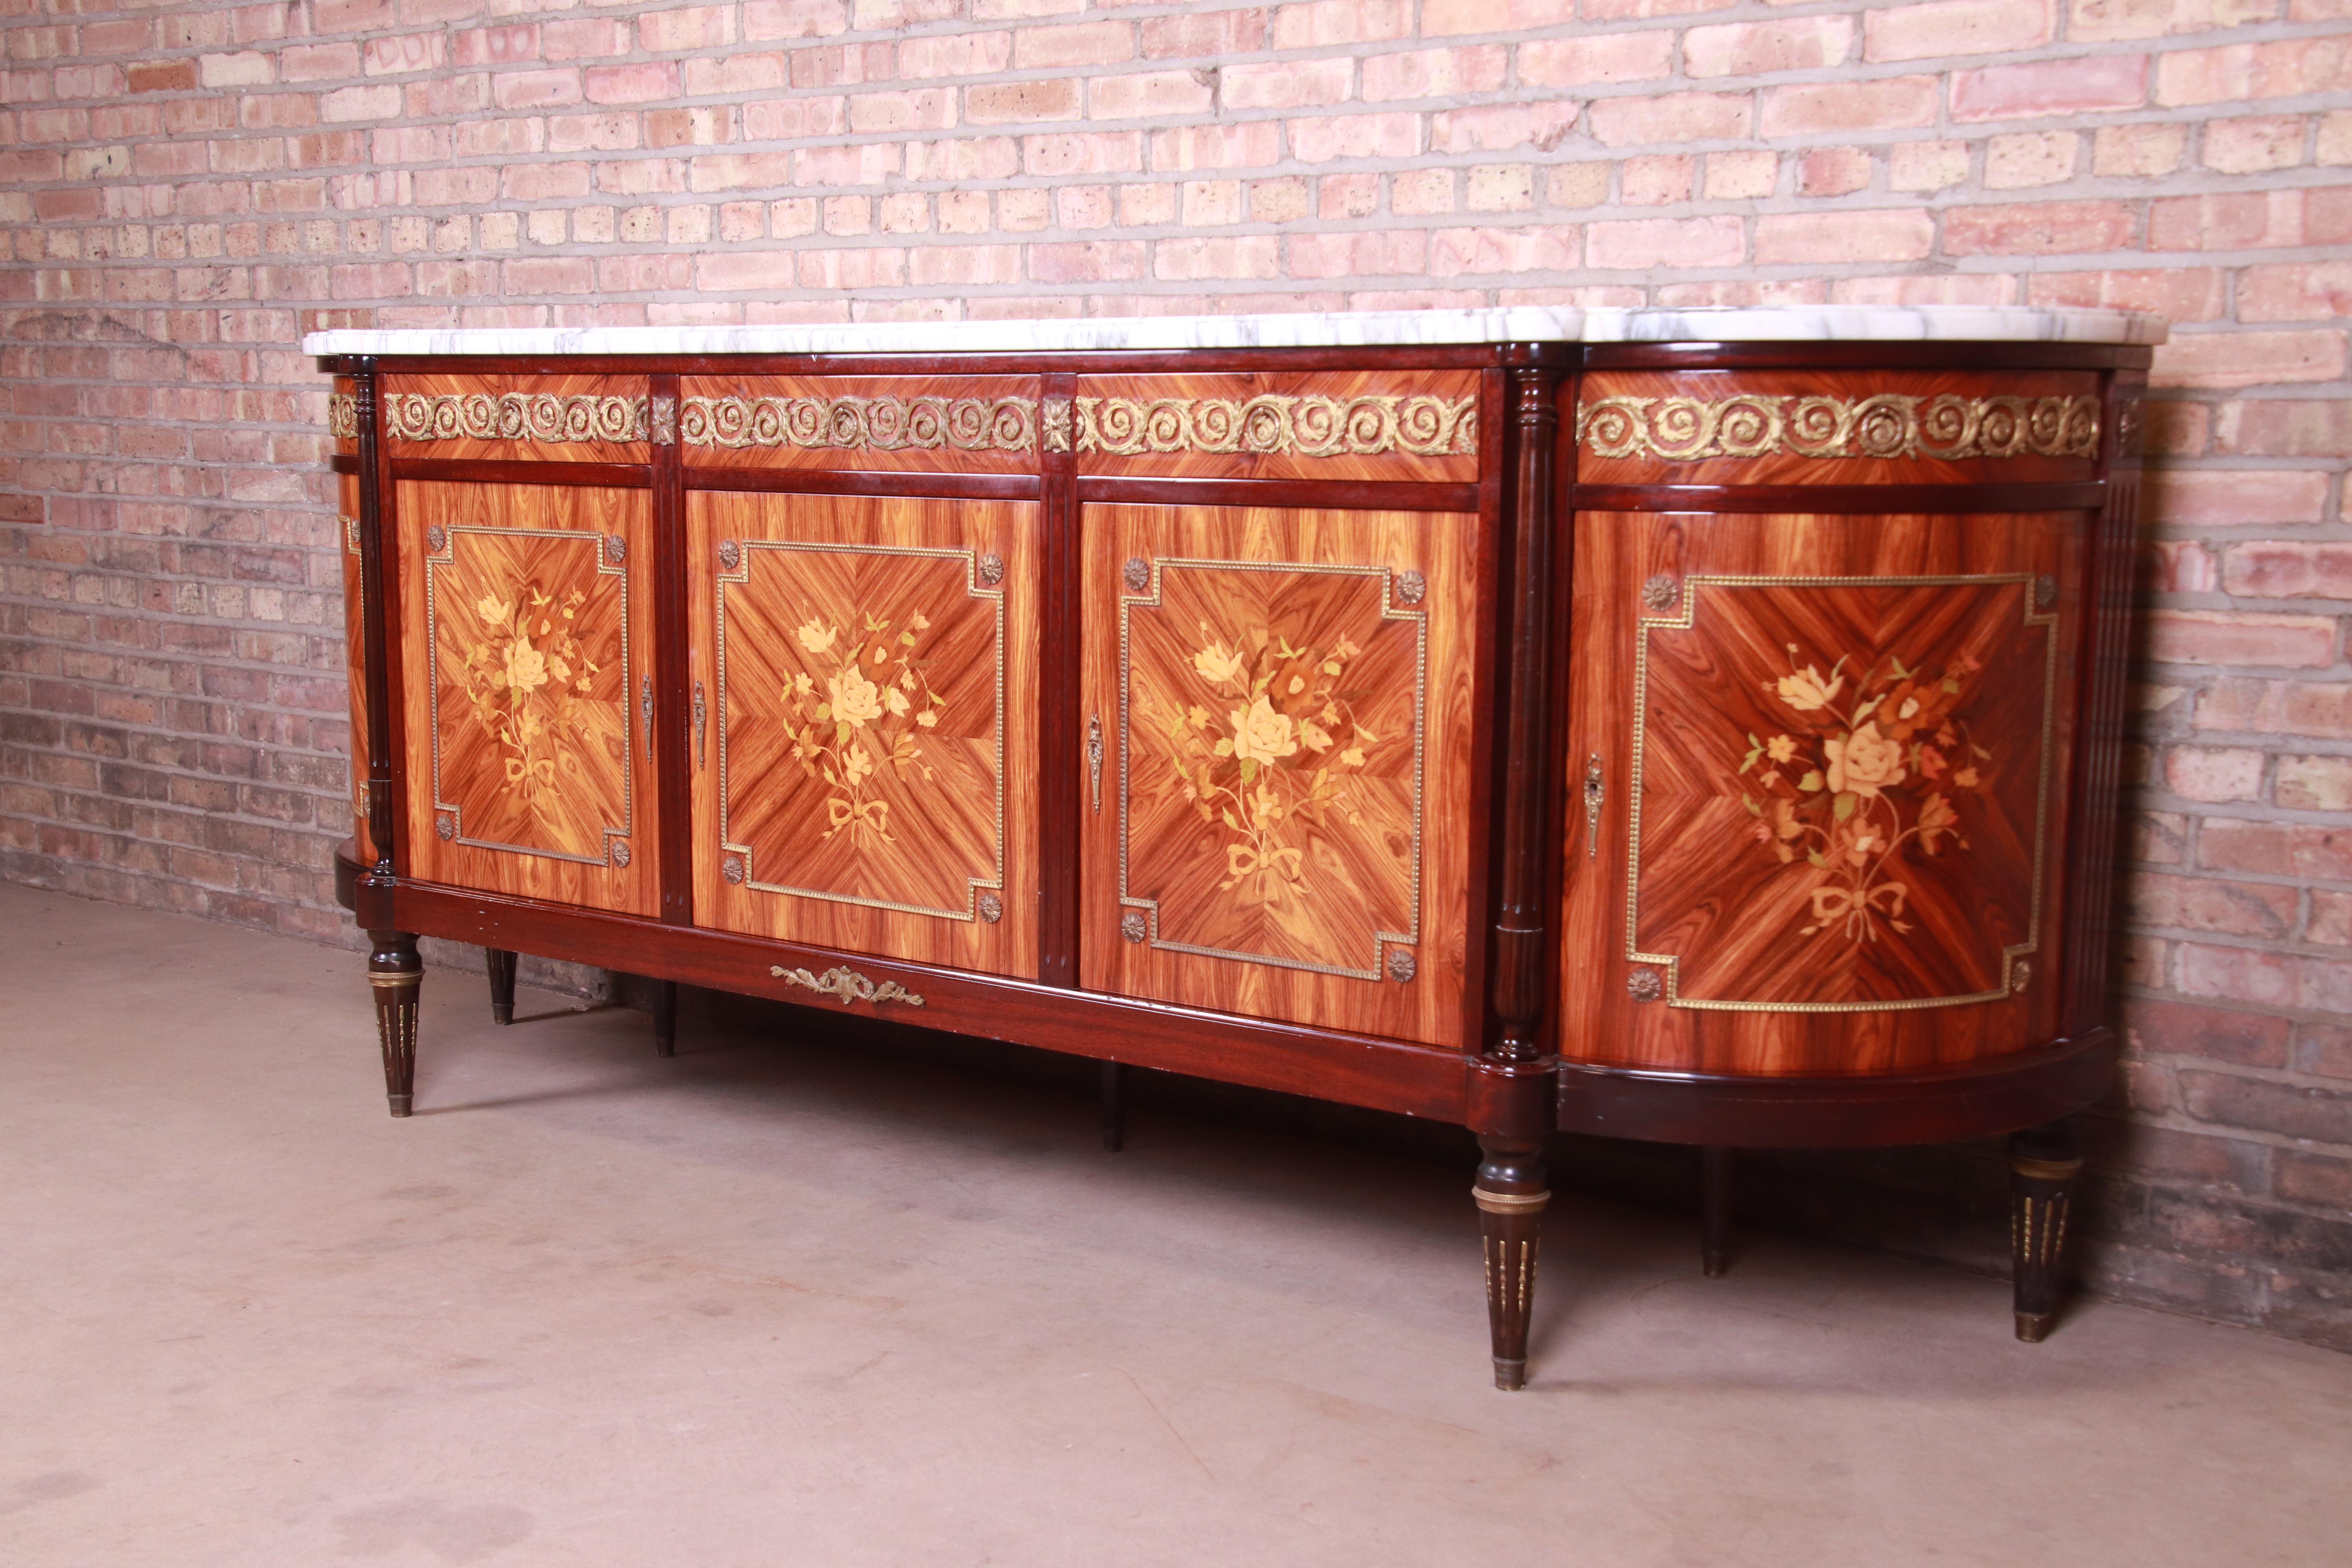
x=765, y=1305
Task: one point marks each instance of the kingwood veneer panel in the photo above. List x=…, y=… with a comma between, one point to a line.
x=1403, y=424
x=1828, y=428
x=867, y=779
x=1832, y=755
x=924, y=424
x=527, y=638
x=544, y=418
x=1280, y=825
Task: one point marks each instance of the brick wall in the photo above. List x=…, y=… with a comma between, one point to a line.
x=185, y=186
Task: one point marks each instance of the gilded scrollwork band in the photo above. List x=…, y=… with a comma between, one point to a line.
x=1857, y=755
x=848, y=423
x=343, y=416
x=1421, y=424
x=546, y=417
x=1944, y=429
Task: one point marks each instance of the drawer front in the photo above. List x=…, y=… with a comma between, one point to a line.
x=953, y=424
x=1412, y=426
x=866, y=779
x=541, y=418
x=1836, y=427
x=526, y=621
x=1828, y=760
x=1281, y=822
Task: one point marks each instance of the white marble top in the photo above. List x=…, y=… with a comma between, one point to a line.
x=1518, y=324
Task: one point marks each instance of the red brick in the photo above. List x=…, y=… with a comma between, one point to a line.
x=2295, y=291
x=2248, y=359
x=2289, y=569
x=2240, y=637
x=2310, y=427
x=1597, y=57
x=1918, y=32
x=1671, y=117
x=2093, y=84
x=2040, y=228
x=1665, y=242
x=1435, y=73
x=2214, y=773
x=1754, y=49
x=2240, y=73
x=1889, y=104
x=1323, y=22
x=1843, y=237
x=2276, y=848
x=2235, y=498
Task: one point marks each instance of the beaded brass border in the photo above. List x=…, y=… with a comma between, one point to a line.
x=1141, y=907
x=447, y=556
x=1681, y=618
x=976, y=587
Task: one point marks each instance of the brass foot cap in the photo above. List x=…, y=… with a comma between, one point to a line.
x=1714, y=1268
x=2034, y=1327
x=664, y=1049
x=502, y=1015
x=399, y=1103
x=1510, y=1374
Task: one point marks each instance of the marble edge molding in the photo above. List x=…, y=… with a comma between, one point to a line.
x=1370, y=329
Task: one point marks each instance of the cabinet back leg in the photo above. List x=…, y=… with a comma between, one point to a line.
x=2043, y=1162
x=501, y=964
x=1714, y=1210
x=396, y=973
x=665, y=1017
x=1114, y=1106
x=1511, y=1192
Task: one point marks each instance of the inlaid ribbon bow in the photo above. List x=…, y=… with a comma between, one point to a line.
x=1831, y=903
x=869, y=815
x=1242, y=860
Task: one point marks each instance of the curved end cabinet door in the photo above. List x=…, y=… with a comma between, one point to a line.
x=347, y=546
x=1277, y=801
x=1817, y=793
x=527, y=636
x=864, y=773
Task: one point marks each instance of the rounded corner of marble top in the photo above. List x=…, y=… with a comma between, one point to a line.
x=1304, y=330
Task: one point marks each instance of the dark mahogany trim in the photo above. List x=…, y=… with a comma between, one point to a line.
x=2109, y=572
x=672, y=701
x=377, y=550
x=1357, y=1069
x=1862, y=1111
x=1520, y=924
x=1820, y=355
x=524, y=471
x=343, y=463
x=1485, y=736
x=1818, y=499
x=865, y=482
x=1326, y=495
x=1060, y=558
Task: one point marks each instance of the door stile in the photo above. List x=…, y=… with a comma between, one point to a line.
x=378, y=558
x=674, y=756
x=1490, y=568
x=1060, y=746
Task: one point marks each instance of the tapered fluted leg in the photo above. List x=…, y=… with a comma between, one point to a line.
x=396, y=973
x=2043, y=1162
x=1511, y=1193
x=665, y=1017
x=502, y=973
x=1114, y=1106
x=1714, y=1210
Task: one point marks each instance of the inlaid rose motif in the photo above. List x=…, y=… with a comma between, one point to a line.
x=1261, y=734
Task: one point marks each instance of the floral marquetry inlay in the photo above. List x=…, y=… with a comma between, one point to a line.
x=1946, y=427
x=1887, y=772
x=859, y=725
x=1270, y=803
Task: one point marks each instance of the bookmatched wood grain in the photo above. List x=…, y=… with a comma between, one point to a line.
x=1853, y=737
x=576, y=426
x=866, y=777
x=526, y=637
x=1399, y=425
x=1766, y=428
x=873, y=424
x=1285, y=699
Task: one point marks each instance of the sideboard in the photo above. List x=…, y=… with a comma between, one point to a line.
x=1692, y=726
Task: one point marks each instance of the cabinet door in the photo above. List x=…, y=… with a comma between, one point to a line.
x=1827, y=758
x=526, y=677
x=867, y=778
x=1281, y=824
